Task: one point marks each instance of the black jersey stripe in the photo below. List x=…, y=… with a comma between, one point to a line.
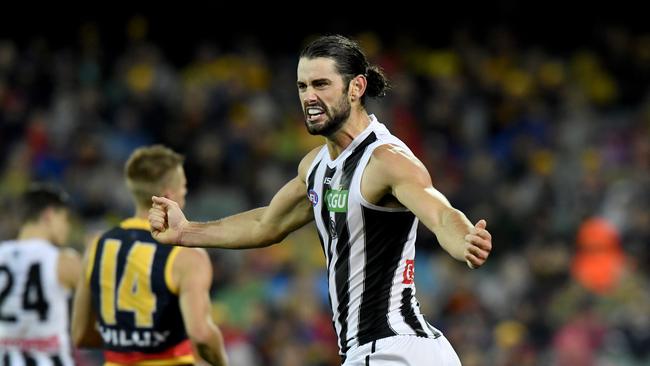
x=409, y=314
x=325, y=215
x=326, y=237
x=29, y=360
x=386, y=236
x=56, y=360
x=312, y=177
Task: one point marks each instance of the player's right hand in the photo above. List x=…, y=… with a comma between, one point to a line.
x=478, y=245
x=167, y=220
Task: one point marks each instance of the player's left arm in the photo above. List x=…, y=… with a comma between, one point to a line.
x=192, y=272
x=408, y=180
x=84, y=317
x=69, y=268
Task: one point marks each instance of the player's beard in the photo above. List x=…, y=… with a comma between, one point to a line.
x=336, y=116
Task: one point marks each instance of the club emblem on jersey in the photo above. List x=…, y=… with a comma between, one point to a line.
x=313, y=197
x=409, y=272
x=336, y=200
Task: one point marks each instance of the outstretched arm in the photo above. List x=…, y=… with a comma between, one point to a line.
x=406, y=178
x=288, y=211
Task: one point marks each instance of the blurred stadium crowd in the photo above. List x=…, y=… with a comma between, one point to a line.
x=552, y=147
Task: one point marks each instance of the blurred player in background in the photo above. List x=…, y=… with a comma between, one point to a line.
x=36, y=278
x=150, y=302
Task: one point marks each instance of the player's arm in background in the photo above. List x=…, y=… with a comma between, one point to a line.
x=84, y=318
x=289, y=210
x=69, y=268
x=192, y=272
x=408, y=180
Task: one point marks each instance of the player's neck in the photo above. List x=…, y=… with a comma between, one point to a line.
x=353, y=127
x=141, y=213
x=33, y=231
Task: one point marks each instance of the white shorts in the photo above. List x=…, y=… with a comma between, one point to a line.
x=404, y=350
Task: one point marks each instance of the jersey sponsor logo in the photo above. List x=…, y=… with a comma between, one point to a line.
x=409, y=272
x=337, y=200
x=313, y=197
x=327, y=180
x=129, y=338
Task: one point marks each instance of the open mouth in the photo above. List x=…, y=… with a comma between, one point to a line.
x=314, y=113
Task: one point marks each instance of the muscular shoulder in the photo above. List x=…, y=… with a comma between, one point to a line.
x=394, y=163
x=188, y=256
x=192, y=263
x=306, y=162
x=69, y=254
x=391, y=154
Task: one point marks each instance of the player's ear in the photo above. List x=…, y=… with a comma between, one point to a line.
x=357, y=87
x=164, y=193
x=46, y=214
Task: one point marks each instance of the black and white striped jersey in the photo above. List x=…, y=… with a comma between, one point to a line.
x=370, y=250
x=33, y=305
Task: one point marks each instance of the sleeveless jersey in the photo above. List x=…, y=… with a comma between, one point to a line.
x=34, y=306
x=137, y=306
x=370, y=250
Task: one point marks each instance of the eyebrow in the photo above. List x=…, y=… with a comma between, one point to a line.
x=321, y=80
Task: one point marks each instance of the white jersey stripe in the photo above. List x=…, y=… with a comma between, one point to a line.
x=314, y=196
